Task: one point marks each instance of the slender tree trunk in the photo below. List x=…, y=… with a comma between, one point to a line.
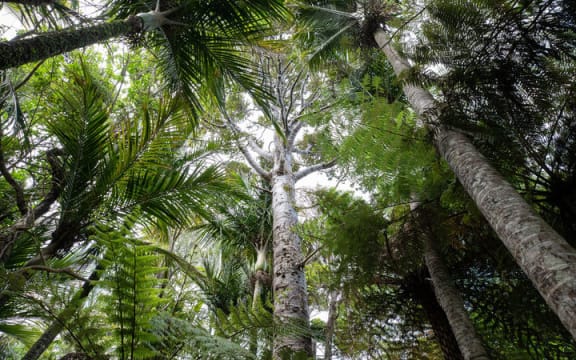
x=289, y=282
x=63, y=318
x=422, y=291
x=469, y=342
x=546, y=258
x=333, y=303
x=46, y=45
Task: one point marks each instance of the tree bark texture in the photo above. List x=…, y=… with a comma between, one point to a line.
x=333, y=301
x=289, y=282
x=423, y=292
x=546, y=258
x=259, y=274
x=292, y=100
x=469, y=342
x=46, y=45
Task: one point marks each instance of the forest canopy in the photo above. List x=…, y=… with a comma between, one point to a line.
x=268, y=179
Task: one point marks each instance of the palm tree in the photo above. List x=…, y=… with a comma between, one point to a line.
x=546, y=257
x=196, y=43
x=109, y=171
x=246, y=228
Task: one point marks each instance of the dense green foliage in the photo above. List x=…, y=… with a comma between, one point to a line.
x=129, y=229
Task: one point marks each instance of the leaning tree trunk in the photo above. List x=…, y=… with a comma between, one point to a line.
x=546, y=258
x=333, y=302
x=469, y=342
x=422, y=291
x=63, y=318
x=31, y=2
x=289, y=281
x=46, y=45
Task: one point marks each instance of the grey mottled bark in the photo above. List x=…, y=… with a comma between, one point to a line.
x=292, y=101
x=423, y=292
x=333, y=303
x=546, y=258
x=469, y=342
x=289, y=282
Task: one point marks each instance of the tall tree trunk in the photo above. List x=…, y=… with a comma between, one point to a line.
x=46, y=45
x=63, y=318
x=333, y=303
x=469, y=342
x=423, y=292
x=289, y=282
x=286, y=80
x=546, y=258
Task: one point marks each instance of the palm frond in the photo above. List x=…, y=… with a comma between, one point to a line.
x=51, y=15
x=214, y=34
x=22, y=333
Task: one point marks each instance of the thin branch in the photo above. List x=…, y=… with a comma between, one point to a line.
x=67, y=271
x=302, y=114
x=29, y=76
x=334, y=11
x=402, y=27
x=11, y=234
x=310, y=256
x=303, y=152
x=330, y=39
x=19, y=192
x=292, y=88
x=295, y=129
x=258, y=150
x=252, y=162
x=309, y=170
x=247, y=155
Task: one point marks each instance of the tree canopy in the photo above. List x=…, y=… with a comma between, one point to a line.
x=150, y=159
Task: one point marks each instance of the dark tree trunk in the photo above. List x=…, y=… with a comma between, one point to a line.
x=422, y=290
x=331, y=323
x=449, y=299
x=44, y=46
x=60, y=322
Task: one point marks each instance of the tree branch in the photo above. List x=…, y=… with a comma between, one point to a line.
x=309, y=170
x=252, y=162
x=11, y=234
x=19, y=192
x=258, y=150
x=249, y=158
x=295, y=129
x=67, y=271
x=301, y=113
